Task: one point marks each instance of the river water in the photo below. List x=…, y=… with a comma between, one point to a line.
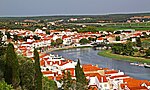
x=89, y=56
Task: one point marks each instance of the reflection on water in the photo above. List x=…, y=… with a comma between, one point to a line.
x=89, y=56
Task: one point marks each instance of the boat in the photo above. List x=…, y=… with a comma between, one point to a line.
x=141, y=65
x=146, y=65
x=135, y=64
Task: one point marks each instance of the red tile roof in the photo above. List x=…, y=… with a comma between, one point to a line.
x=100, y=77
x=100, y=38
x=50, y=77
x=47, y=72
x=93, y=87
x=111, y=71
x=59, y=77
x=42, y=63
x=72, y=71
x=89, y=67
x=118, y=76
x=134, y=84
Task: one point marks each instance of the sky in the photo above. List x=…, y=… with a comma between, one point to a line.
x=71, y=7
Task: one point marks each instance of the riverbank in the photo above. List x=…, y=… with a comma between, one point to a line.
x=65, y=48
x=107, y=53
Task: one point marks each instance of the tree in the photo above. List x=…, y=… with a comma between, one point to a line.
x=11, y=69
x=144, y=35
x=15, y=37
x=8, y=35
x=2, y=62
x=138, y=42
x=2, y=67
x=123, y=49
x=67, y=81
x=117, y=48
x=80, y=77
x=48, y=84
x=128, y=49
x=59, y=41
x=147, y=52
x=117, y=38
x=91, y=39
x=5, y=86
x=27, y=72
x=2, y=50
x=1, y=35
x=36, y=37
x=53, y=43
x=84, y=41
x=48, y=32
x=26, y=37
x=38, y=73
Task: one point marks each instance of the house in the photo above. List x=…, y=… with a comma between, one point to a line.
x=39, y=31
x=66, y=40
x=134, y=84
x=115, y=77
x=100, y=40
x=97, y=80
x=89, y=68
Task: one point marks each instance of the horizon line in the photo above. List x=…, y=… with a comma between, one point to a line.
x=73, y=14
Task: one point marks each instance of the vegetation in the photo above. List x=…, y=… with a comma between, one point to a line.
x=1, y=35
x=59, y=41
x=129, y=52
x=80, y=77
x=48, y=84
x=27, y=73
x=108, y=53
x=38, y=73
x=11, y=69
x=53, y=43
x=5, y=86
x=71, y=84
x=112, y=22
x=138, y=42
x=2, y=49
x=21, y=72
x=147, y=52
x=68, y=82
x=145, y=42
x=84, y=41
x=2, y=67
x=92, y=39
x=123, y=49
x=117, y=38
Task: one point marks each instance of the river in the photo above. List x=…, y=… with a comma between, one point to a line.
x=89, y=56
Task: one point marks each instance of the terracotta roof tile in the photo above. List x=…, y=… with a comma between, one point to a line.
x=111, y=71
x=89, y=67
x=47, y=72
x=134, y=84
x=100, y=77
x=118, y=76
x=50, y=77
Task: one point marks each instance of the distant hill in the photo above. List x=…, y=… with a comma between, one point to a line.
x=111, y=17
